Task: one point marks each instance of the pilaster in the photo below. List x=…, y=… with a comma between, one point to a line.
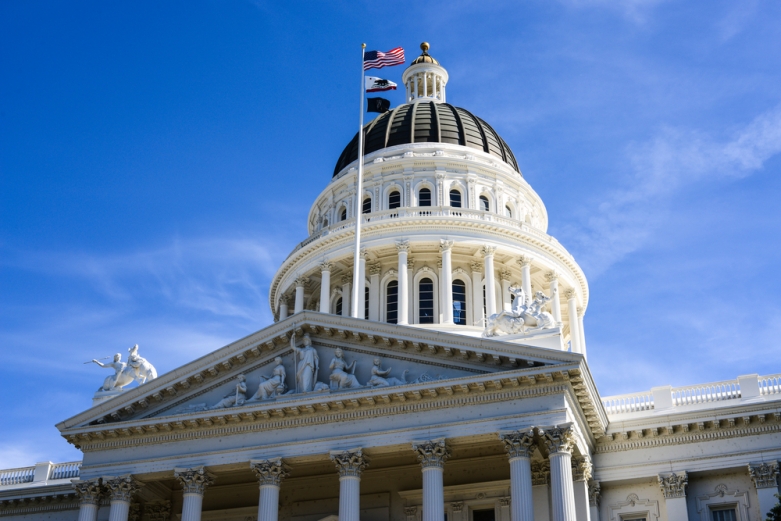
x=673, y=487
x=765, y=478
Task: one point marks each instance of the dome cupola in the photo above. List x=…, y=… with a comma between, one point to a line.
x=425, y=79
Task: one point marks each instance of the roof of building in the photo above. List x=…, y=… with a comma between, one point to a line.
x=428, y=122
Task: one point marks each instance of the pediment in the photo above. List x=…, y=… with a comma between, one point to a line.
x=415, y=358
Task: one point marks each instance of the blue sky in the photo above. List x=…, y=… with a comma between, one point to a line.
x=158, y=160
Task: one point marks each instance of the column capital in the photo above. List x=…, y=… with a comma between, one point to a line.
x=364, y=254
x=505, y=275
x=158, y=511
x=457, y=506
x=283, y=298
x=560, y=438
x=193, y=480
x=374, y=269
x=487, y=250
x=505, y=501
x=326, y=266
x=270, y=471
x=581, y=468
x=439, y=263
x=524, y=260
x=350, y=462
x=764, y=475
x=410, y=511
x=410, y=263
x=673, y=484
x=402, y=246
x=432, y=453
x=89, y=491
x=347, y=279
x=477, y=267
x=121, y=488
x=551, y=276
x=301, y=281
x=570, y=293
x=581, y=312
x=445, y=245
x=518, y=444
x=540, y=472
x=593, y=493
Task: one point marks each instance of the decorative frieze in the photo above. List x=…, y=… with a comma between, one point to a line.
x=673, y=484
x=581, y=468
x=764, y=474
x=558, y=439
x=89, y=492
x=350, y=463
x=193, y=480
x=121, y=488
x=432, y=453
x=518, y=444
x=270, y=472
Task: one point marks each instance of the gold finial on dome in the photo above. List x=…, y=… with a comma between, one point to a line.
x=424, y=46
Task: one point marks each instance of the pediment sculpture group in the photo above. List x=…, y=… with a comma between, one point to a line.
x=525, y=315
x=307, y=366
x=136, y=369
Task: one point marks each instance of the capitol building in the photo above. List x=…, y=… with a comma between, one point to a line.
x=459, y=391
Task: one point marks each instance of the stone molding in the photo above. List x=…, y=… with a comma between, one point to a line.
x=194, y=480
x=518, y=444
x=558, y=439
x=634, y=505
x=593, y=493
x=673, y=484
x=269, y=472
x=90, y=491
x=432, y=453
x=764, y=474
x=581, y=468
x=121, y=488
x=540, y=472
x=350, y=463
x=723, y=496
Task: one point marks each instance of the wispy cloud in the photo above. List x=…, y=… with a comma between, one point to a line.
x=636, y=11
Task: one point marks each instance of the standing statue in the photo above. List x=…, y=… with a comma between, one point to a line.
x=270, y=387
x=143, y=370
x=380, y=377
x=137, y=369
x=340, y=377
x=236, y=397
x=308, y=365
x=524, y=317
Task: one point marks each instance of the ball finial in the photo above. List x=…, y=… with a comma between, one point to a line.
x=424, y=46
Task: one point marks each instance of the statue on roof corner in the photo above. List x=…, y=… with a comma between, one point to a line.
x=137, y=369
x=524, y=317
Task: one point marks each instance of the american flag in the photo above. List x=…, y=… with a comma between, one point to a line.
x=379, y=59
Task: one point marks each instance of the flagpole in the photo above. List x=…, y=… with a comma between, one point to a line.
x=358, y=209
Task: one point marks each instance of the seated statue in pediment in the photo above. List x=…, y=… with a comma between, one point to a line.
x=380, y=376
x=271, y=386
x=237, y=397
x=342, y=376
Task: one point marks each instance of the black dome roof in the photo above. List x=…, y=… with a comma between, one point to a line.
x=428, y=122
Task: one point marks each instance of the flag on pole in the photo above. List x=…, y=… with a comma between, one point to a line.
x=378, y=84
x=380, y=105
x=379, y=59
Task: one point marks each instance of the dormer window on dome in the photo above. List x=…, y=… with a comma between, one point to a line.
x=425, y=79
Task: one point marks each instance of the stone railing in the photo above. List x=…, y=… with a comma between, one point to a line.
x=17, y=476
x=65, y=470
x=39, y=473
x=743, y=387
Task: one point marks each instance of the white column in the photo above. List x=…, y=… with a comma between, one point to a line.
x=300, y=282
x=477, y=294
x=765, y=478
x=283, y=307
x=425, y=84
x=350, y=465
x=582, y=334
x=347, y=286
x=415, y=94
x=410, y=290
x=526, y=276
x=403, y=306
x=325, y=287
x=270, y=474
x=89, y=493
x=374, y=292
x=432, y=456
x=560, y=441
x=194, y=482
x=490, y=280
x=673, y=487
x=441, y=294
x=553, y=278
x=520, y=446
x=572, y=315
x=505, y=275
x=362, y=284
x=593, y=500
x=581, y=473
x=121, y=491
x=445, y=248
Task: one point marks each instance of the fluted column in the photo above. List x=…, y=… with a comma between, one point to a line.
x=572, y=312
x=325, y=287
x=410, y=290
x=526, y=275
x=593, y=499
x=432, y=456
x=477, y=293
x=581, y=332
x=121, y=492
x=283, y=307
x=374, y=292
x=347, y=294
x=403, y=304
x=504, y=276
x=581, y=473
x=350, y=465
x=560, y=441
x=765, y=478
x=89, y=493
x=361, y=285
x=445, y=247
x=301, y=283
x=194, y=482
x=270, y=474
x=520, y=446
x=553, y=279
x=490, y=280
x=673, y=485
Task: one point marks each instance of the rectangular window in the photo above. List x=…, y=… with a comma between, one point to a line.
x=426, y=301
x=725, y=514
x=484, y=515
x=392, y=302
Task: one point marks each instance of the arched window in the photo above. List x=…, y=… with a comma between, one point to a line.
x=424, y=197
x=366, y=303
x=455, y=198
x=484, y=204
x=459, y=302
x=343, y=214
x=508, y=212
x=394, y=199
x=367, y=205
x=426, y=301
x=325, y=222
x=338, y=310
x=392, y=302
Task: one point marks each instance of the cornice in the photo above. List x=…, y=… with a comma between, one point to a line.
x=18, y=502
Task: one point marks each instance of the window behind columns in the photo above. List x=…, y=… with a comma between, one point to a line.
x=343, y=215
x=484, y=515
x=508, y=212
x=426, y=301
x=424, y=197
x=366, y=302
x=394, y=199
x=338, y=310
x=455, y=198
x=484, y=204
x=392, y=302
x=459, y=302
x=367, y=205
